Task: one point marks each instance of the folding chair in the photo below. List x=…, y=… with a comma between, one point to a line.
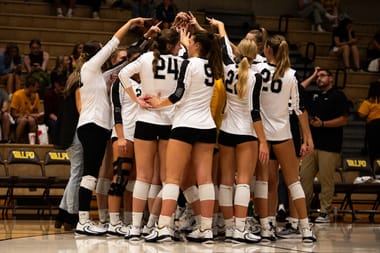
x=29, y=184
x=57, y=169
x=354, y=169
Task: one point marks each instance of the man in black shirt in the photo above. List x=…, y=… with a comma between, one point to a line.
x=328, y=110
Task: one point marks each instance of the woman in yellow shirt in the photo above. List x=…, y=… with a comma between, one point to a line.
x=370, y=110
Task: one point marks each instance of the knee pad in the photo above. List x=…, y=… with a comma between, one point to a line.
x=170, y=192
x=225, y=195
x=130, y=185
x=121, y=160
x=242, y=195
x=103, y=185
x=141, y=189
x=116, y=189
x=88, y=182
x=206, y=192
x=154, y=190
x=191, y=194
x=296, y=191
x=261, y=189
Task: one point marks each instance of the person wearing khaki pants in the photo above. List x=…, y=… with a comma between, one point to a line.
x=328, y=110
x=322, y=164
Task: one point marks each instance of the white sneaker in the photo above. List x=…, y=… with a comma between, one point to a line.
x=203, y=236
x=244, y=236
x=118, y=229
x=134, y=233
x=146, y=230
x=322, y=218
x=89, y=228
x=228, y=234
x=164, y=234
x=289, y=232
x=308, y=235
x=267, y=234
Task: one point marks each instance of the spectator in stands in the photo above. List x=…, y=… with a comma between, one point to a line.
x=70, y=4
x=332, y=7
x=328, y=112
x=75, y=54
x=66, y=138
x=62, y=66
x=36, y=64
x=370, y=110
x=5, y=118
x=373, y=53
x=52, y=101
x=345, y=44
x=10, y=68
x=314, y=10
x=166, y=12
x=25, y=104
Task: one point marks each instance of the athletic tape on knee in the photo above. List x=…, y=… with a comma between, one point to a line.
x=225, y=195
x=141, y=189
x=154, y=190
x=261, y=189
x=130, y=185
x=88, y=182
x=296, y=191
x=242, y=195
x=191, y=194
x=206, y=192
x=103, y=186
x=170, y=192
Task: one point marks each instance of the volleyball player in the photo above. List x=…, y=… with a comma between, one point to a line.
x=280, y=85
x=158, y=71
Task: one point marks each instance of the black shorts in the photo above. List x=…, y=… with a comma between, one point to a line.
x=192, y=135
x=151, y=132
x=232, y=140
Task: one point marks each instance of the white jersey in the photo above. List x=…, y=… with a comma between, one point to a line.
x=124, y=108
x=162, y=82
x=274, y=103
x=237, y=114
x=94, y=96
x=194, y=90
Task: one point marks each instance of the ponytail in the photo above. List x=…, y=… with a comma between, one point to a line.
x=241, y=86
x=248, y=50
x=281, y=55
